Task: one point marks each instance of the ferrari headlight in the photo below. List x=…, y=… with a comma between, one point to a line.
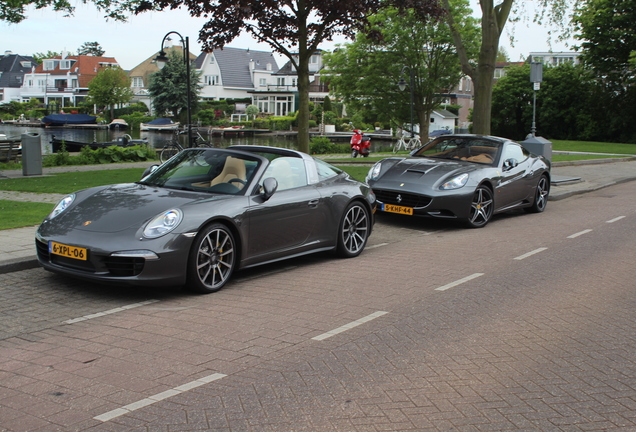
x=62, y=205
x=455, y=182
x=374, y=172
x=164, y=223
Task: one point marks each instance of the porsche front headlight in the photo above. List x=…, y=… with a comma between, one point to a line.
x=164, y=223
x=455, y=182
x=62, y=205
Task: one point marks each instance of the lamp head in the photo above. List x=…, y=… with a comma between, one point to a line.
x=402, y=84
x=161, y=59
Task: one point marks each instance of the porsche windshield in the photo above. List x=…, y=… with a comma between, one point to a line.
x=470, y=149
x=205, y=170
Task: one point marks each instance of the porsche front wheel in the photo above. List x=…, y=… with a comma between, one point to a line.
x=212, y=259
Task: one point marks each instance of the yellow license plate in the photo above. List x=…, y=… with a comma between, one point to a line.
x=397, y=209
x=68, y=251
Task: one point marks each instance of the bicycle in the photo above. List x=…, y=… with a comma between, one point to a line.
x=174, y=146
x=412, y=144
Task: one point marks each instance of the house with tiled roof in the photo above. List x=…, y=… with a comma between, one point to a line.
x=12, y=70
x=63, y=80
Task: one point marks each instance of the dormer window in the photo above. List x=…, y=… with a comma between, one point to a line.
x=49, y=65
x=212, y=61
x=25, y=64
x=65, y=64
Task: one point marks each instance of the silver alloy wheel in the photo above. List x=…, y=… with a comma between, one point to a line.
x=215, y=259
x=543, y=189
x=354, y=230
x=481, y=208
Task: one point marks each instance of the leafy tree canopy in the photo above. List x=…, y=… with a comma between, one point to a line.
x=39, y=57
x=168, y=86
x=110, y=87
x=608, y=41
x=91, y=48
x=365, y=73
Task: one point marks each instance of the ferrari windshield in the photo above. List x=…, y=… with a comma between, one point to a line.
x=470, y=149
x=206, y=170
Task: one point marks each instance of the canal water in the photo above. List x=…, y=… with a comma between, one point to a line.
x=155, y=139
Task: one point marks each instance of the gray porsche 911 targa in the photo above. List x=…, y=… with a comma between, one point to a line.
x=467, y=178
x=205, y=213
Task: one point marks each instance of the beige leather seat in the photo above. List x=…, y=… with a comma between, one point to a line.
x=234, y=168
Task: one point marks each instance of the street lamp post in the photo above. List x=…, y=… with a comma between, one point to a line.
x=402, y=86
x=161, y=61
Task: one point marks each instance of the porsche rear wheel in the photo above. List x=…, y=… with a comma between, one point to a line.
x=481, y=208
x=212, y=259
x=540, y=196
x=354, y=230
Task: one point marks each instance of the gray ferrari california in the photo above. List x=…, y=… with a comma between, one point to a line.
x=205, y=213
x=467, y=178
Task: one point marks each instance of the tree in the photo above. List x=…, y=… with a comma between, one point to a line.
x=168, y=87
x=293, y=28
x=91, y=48
x=110, y=87
x=39, y=57
x=606, y=29
x=365, y=73
x=493, y=21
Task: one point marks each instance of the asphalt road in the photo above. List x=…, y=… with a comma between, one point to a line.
x=525, y=325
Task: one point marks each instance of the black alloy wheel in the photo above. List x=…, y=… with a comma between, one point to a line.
x=212, y=259
x=354, y=230
x=481, y=208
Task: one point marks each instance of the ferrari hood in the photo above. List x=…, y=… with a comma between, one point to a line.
x=119, y=207
x=422, y=172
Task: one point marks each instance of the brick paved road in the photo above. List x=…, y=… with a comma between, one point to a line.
x=538, y=337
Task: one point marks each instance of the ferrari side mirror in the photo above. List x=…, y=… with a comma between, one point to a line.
x=269, y=187
x=510, y=164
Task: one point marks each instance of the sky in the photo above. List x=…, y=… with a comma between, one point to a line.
x=133, y=42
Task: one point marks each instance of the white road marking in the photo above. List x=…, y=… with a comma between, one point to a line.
x=459, y=282
x=536, y=251
x=158, y=397
x=615, y=219
x=109, y=312
x=579, y=233
x=349, y=326
x=375, y=246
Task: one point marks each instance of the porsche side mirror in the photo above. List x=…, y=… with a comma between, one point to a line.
x=510, y=164
x=149, y=170
x=269, y=187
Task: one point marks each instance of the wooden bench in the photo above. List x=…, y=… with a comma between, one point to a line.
x=10, y=150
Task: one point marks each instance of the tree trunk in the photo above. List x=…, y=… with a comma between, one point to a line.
x=303, y=104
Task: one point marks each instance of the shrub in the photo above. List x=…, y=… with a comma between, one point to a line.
x=112, y=154
x=320, y=145
x=280, y=123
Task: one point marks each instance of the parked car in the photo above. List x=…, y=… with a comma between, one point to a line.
x=205, y=213
x=467, y=178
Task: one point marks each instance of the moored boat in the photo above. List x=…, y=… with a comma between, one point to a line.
x=68, y=119
x=76, y=146
x=160, y=124
x=120, y=124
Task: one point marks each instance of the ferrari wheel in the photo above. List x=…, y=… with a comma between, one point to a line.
x=212, y=259
x=354, y=230
x=481, y=208
x=540, y=196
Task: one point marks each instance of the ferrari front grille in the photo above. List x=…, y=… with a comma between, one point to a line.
x=401, y=198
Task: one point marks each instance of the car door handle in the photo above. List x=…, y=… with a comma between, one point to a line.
x=313, y=203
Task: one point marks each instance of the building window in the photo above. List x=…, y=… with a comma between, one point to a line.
x=262, y=82
x=212, y=60
x=211, y=80
x=49, y=65
x=295, y=82
x=280, y=81
x=137, y=82
x=65, y=64
x=25, y=64
x=313, y=59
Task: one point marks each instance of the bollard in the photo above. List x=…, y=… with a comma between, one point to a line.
x=539, y=146
x=31, y=154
